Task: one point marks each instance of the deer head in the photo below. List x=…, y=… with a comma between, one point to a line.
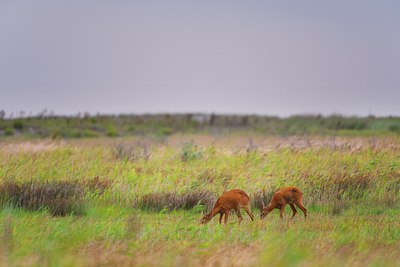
x=264, y=210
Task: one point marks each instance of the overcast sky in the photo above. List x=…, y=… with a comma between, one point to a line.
x=261, y=57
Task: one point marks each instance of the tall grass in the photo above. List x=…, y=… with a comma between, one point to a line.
x=144, y=212
x=323, y=174
x=131, y=151
x=173, y=201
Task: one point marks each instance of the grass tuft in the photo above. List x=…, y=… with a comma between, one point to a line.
x=59, y=198
x=174, y=201
x=130, y=151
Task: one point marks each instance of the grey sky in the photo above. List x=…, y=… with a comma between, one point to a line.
x=263, y=57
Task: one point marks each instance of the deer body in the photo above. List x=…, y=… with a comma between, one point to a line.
x=232, y=200
x=285, y=196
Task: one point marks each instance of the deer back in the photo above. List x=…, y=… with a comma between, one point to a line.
x=233, y=199
x=288, y=195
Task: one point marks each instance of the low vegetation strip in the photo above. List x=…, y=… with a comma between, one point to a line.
x=93, y=126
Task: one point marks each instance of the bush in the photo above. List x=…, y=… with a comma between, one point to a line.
x=165, y=131
x=111, y=131
x=190, y=152
x=71, y=133
x=18, y=125
x=89, y=133
x=8, y=131
x=59, y=198
x=394, y=128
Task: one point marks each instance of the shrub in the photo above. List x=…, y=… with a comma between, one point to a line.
x=71, y=133
x=59, y=198
x=165, y=131
x=111, y=131
x=190, y=152
x=8, y=131
x=394, y=128
x=55, y=134
x=89, y=133
x=18, y=125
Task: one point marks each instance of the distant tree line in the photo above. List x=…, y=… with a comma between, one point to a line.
x=46, y=124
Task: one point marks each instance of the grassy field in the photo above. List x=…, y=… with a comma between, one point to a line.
x=139, y=201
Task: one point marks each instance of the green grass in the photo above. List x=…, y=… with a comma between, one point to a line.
x=64, y=241
x=352, y=196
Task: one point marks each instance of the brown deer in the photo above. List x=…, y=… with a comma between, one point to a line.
x=231, y=200
x=287, y=195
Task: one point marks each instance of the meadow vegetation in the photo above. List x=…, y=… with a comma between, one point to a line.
x=139, y=201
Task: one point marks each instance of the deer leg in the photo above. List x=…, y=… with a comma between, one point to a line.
x=226, y=217
x=220, y=217
x=303, y=209
x=239, y=215
x=249, y=213
x=293, y=209
x=282, y=210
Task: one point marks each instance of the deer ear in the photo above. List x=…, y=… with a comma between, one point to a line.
x=263, y=205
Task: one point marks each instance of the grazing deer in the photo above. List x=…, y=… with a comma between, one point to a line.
x=231, y=200
x=287, y=195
